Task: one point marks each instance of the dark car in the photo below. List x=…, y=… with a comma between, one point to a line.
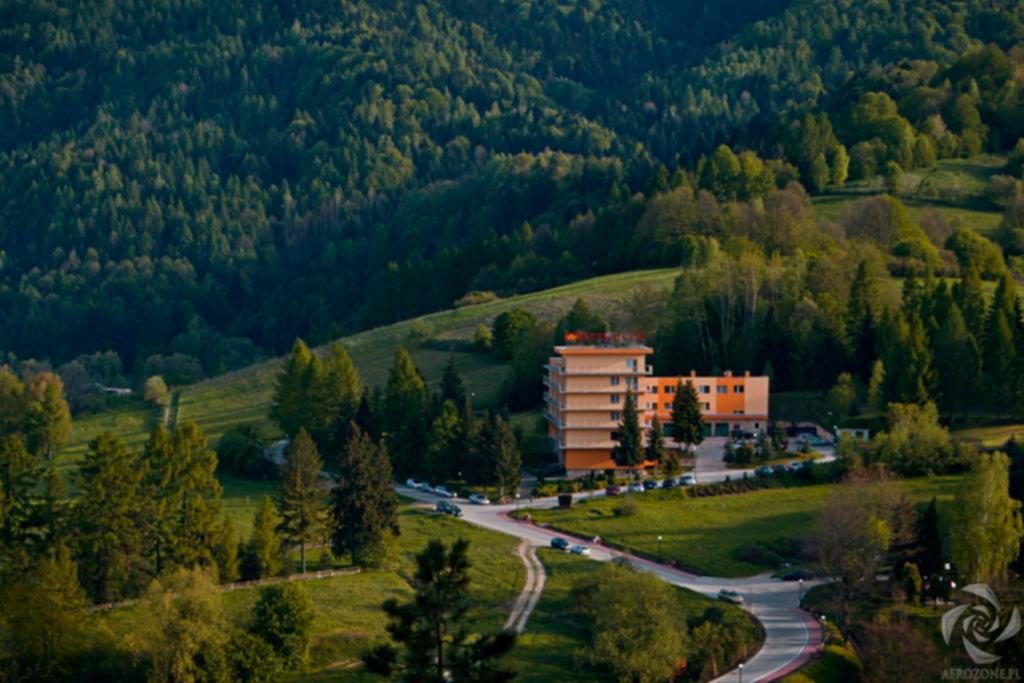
x=798, y=575
x=443, y=506
x=650, y=485
x=559, y=543
x=455, y=511
x=763, y=471
x=669, y=483
x=779, y=469
x=613, y=491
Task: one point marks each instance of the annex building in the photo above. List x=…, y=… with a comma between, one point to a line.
x=586, y=384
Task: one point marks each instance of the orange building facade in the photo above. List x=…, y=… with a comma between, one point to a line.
x=586, y=384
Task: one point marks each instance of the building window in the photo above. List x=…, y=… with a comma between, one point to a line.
x=615, y=416
x=615, y=381
x=668, y=406
x=738, y=389
x=722, y=389
x=631, y=363
x=707, y=406
x=631, y=381
x=670, y=389
x=705, y=389
x=737, y=412
x=615, y=399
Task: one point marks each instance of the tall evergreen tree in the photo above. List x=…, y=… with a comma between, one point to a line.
x=367, y=415
x=502, y=454
x=929, y=540
x=110, y=515
x=21, y=535
x=687, y=425
x=656, y=442
x=970, y=297
x=262, y=556
x=199, y=509
x=226, y=552
x=364, y=507
x=432, y=628
x=290, y=407
x=49, y=414
x=441, y=447
x=302, y=495
x=452, y=388
x=958, y=362
x=405, y=415
x=337, y=391
x=161, y=498
x=860, y=320
x=629, y=451
x=998, y=361
x=465, y=450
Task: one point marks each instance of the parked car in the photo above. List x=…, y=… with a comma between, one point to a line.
x=580, y=550
x=779, y=469
x=412, y=483
x=636, y=487
x=796, y=465
x=559, y=543
x=444, y=492
x=613, y=491
x=730, y=596
x=688, y=480
x=669, y=483
x=443, y=506
x=426, y=488
x=477, y=499
x=650, y=485
x=455, y=511
x=763, y=471
x=798, y=575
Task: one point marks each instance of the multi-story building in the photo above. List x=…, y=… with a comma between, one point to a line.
x=587, y=381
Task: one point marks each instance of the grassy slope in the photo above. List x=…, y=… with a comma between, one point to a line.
x=707, y=533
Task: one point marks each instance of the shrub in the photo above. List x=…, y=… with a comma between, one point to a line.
x=476, y=297
x=626, y=508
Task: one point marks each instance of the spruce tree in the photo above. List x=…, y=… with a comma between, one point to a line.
x=364, y=507
x=432, y=629
x=20, y=531
x=197, y=530
x=291, y=394
x=226, y=552
x=262, y=556
x=367, y=416
x=302, y=495
x=465, y=452
x=109, y=512
x=161, y=498
x=860, y=321
x=337, y=390
x=998, y=361
x=958, y=363
x=452, y=388
x=50, y=414
x=441, y=446
x=929, y=540
x=656, y=442
x=405, y=415
x=687, y=425
x=970, y=297
x=503, y=455
x=629, y=451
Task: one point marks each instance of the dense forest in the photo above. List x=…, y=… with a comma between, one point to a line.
x=198, y=183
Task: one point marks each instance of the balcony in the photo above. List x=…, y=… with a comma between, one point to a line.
x=608, y=371
x=591, y=424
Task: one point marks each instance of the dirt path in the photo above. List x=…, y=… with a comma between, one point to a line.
x=535, y=579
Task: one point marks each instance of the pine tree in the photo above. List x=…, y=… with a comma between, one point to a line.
x=226, y=552
x=452, y=388
x=302, y=495
x=196, y=533
x=441, y=447
x=970, y=297
x=958, y=362
x=110, y=515
x=656, y=442
x=51, y=416
x=291, y=395
x=405, y=415
x=366, y=416
x=503, y=456
x=363, y=505
x=998, y=361
x=161, y=498
x=336, y=393
x=629, y=451
x=687, y=425
x=433, y=627
x=262, y=556
x=860, y=320
x=20, y=532
x=929, y=540
x=465, y=452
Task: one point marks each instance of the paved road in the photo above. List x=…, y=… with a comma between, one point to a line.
x=791, y=634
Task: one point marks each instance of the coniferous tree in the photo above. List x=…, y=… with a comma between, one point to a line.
x=970, y=297
x=262, y=556
x=687, y=425
x=290, y=408
x=336, y=394
x=49, y=413
x=998, y=361
x=405, y=415
x=656, y=442
x=441, y=448
x=364, y=507
x=503, y=455
x=452, y=388
x=109, y=512
x=226, y=552
x=629, y=451
x=367, y=415
x=957, y=361
x=198, y=507
x=929, y=540
x=465, y=450
x=20, y=532
x=283, y=617
x=432, y=629
x=860, y=320
x=53, y=508
x=161, y=498
x=302, y=495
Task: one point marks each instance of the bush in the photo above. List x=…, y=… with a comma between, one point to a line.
x=241, y=452
x=283, y=617
x=476, y=297
x=626, y=508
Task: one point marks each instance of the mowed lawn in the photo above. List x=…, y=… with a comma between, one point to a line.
x=348, y=615
x=708, y=534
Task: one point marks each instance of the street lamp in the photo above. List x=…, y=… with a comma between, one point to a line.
x=800, y=593
x=659, y=548
x=739, y=667
x=517, y=501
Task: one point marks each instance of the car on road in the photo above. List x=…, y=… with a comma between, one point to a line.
x=798, y=575
x=412, y=483
x=426, y=488
x=763, y=471
x=688, y=480
x=636, y=487
x=796, y=465
x=477, y=499
x=443, y=506
x=559, y=543
x=580, y=550
x=733, y=597
x=613, y=491
x=669, y=483
x=455, y=511
x=443, y=492
x=650, y=485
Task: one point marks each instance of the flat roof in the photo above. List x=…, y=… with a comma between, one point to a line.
x=597, y=349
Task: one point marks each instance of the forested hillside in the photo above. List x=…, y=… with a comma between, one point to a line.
x=211, y=179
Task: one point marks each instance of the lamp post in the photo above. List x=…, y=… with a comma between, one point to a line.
x=800, y=593
x=517, y=501
x=659, y=548
x=739, y=668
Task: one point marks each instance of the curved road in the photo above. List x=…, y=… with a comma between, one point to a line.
x=792, y=635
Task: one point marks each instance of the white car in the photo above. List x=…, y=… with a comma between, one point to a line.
x=412, y=483
x=443, y=492
x=580, y=550
x=688, y=480
x=477, y=499
x=636, y=487
x=426, y=488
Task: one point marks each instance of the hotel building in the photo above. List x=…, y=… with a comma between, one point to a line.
x=586, y=385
